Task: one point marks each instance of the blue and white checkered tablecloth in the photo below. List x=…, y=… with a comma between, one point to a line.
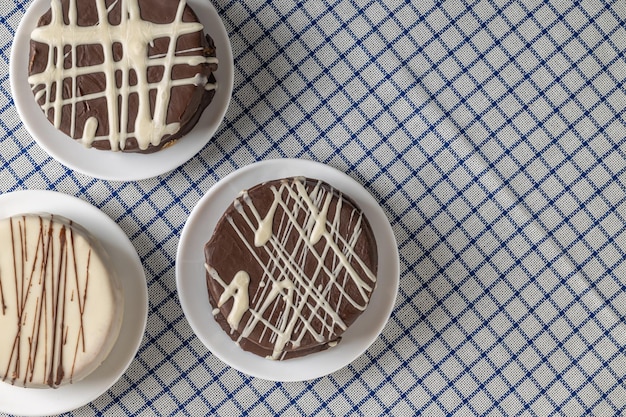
x=493, y=134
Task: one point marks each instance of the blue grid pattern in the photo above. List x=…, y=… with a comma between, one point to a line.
x=493, y=135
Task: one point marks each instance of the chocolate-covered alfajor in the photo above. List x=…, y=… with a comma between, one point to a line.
x=290, y=266
x=129, y=75
x=60, y=303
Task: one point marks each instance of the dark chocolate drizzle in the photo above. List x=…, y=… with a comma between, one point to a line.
x=4, y=306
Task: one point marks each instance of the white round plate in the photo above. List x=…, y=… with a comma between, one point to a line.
x=192, y=290
x=37, y=402
x=119, y=166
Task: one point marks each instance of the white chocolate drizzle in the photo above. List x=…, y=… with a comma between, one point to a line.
x=136, y=35
x=284, y=281
x=238, y=291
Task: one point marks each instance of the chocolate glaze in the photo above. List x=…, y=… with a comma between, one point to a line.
x=291, y=285
x=186, y=103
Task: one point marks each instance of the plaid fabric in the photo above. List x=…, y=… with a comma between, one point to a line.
x=493, y=135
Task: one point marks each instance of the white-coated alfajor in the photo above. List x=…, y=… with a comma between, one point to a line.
x=60, y=302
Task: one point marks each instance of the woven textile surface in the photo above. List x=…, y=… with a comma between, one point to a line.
x=493, y=135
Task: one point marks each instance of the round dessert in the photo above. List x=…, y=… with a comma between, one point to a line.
x=290, y=266
x=129, y=75
x=60, y=311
